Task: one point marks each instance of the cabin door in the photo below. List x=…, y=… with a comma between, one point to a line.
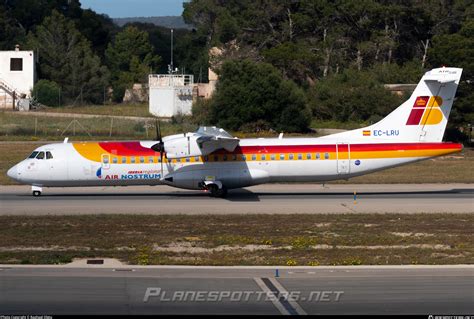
x=343, y=152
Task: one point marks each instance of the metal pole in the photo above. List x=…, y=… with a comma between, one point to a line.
x=172, y=68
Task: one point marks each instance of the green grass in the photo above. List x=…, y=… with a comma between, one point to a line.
x=140, y=110
x=345, y=239
x=17, y=127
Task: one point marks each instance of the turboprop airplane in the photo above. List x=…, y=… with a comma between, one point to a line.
x=213, y=160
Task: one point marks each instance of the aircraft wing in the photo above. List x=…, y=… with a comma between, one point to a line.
x=211, y=139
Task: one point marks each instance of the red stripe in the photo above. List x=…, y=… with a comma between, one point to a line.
x=415, y=116
x=127, y=149
x=342, y=148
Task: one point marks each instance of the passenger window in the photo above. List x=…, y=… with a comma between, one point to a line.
x=142, y=159
x=244, y=157
x=114, y=160
x=308, y=156
x=216, y=158
x=33, y=155
x=124, y=160
x=318, y=156
x=234, y=157
x=150, y=159
x=254, y=157
x=300, y=156
x=282, y=157
x=264, y=158
x=291, y=156
x=40, y=155
x=224, y=157
x=188, y=159
x=105, y=159
x=49, y=155
x=326, y=155
x=196, y=159
x=272, y=157
x=132, y=159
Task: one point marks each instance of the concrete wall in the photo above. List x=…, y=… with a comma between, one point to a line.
x=21, y=81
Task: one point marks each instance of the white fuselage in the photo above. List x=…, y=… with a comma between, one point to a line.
x=256, y=161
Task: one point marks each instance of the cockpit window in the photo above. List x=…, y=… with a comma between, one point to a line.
x=40, y=155
x=49, y=155
x=33, y=155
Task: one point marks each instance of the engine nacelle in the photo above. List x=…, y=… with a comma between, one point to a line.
x=182, y=145
x=205, y=141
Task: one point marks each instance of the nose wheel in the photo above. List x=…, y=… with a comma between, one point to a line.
x=36, y=191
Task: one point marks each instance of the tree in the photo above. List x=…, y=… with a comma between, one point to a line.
x=351, y=96
x=66, y=58
x=130, y=58
x=253, y=96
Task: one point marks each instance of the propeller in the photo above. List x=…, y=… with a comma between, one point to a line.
x=160, y=146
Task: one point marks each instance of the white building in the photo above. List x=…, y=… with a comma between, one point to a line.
x=170, y=94
x=17, y=75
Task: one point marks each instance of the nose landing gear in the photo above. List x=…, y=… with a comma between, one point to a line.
x=36, y=190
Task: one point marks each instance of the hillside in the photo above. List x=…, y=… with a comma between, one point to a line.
x=172, y=22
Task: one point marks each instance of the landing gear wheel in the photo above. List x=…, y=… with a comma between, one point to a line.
x=216, y=192
x=36, y=193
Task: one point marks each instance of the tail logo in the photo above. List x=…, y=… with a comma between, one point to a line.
x=426, y=111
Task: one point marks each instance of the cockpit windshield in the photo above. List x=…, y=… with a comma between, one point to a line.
x=40, y=155
x=33, y=155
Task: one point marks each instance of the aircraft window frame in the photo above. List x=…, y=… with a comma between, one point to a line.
x=254, y=157
x=114, y=160
x=42, y=155
x=308, y=156
x=133, y=160
x=105, y=159
x=124, y=160
x=272, y=157
x=291, y=156
x=300, y=156
x=326, y=155
x=49, y=155
x=142, y=159
x=244, y=157
x=264, y=157
x=151, y=159
x=282, y=157
x=33, y=154
x=318, y=156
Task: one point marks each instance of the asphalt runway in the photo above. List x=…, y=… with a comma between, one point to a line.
x=237, y=290
x=262, y=199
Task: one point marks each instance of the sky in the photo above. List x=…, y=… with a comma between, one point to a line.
x=135, y=8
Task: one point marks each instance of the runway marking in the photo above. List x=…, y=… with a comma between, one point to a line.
x=282, y=302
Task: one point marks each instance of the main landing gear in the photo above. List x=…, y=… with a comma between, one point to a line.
x=36, y=191
x=215, y=188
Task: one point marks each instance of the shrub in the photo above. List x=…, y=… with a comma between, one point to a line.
x=47, y=93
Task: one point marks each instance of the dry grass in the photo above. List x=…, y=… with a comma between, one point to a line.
x=241, y=239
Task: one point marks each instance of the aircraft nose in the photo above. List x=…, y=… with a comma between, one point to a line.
x=13, y=172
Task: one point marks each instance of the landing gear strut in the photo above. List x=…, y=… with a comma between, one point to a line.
x=36, y=191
